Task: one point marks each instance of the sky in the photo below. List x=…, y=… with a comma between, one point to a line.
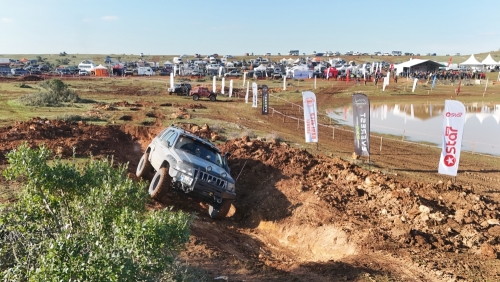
x=167, y=27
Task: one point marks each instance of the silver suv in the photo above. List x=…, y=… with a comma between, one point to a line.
x=189, y=164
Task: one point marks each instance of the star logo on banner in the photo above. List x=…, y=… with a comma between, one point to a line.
x=449, y=160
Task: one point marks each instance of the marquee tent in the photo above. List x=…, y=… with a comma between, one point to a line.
x=489, y=61
x=417, y=65
x=101, y=70
x=471, y=61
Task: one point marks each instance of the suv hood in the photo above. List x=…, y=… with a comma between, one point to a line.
x=199, y=163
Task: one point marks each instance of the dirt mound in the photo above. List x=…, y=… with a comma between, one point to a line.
x=195, y=106
x=31, y=78
x=70, y=138
x=126, y=104
x=202, y=131
x=321, y=208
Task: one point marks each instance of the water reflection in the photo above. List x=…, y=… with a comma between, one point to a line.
x=423, y=122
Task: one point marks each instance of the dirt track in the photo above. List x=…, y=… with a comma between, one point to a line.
x=305, y=217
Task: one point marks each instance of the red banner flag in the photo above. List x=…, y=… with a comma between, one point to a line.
x=458, y=88
x=347, y=73
x=449, y=61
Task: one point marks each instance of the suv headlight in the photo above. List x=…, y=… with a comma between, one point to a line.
x=209, y=168
x=231, y=187
x=223, y=175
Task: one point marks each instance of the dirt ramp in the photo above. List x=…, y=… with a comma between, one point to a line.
x=318, y=208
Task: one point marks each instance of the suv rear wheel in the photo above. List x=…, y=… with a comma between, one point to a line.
x=160, y=184
x=212, y=98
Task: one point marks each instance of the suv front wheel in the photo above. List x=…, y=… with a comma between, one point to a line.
x=160, y=184
x=196, y=97
x=218, y=211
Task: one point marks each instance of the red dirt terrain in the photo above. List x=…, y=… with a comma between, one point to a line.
x=305, y=217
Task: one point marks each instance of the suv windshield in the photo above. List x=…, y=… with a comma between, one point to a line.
x=197, y=148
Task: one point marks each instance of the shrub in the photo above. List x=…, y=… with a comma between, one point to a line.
x=91, y=224
x=53, y=94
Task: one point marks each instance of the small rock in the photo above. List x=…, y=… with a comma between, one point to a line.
x=493, y=221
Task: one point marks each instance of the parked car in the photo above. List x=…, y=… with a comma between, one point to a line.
x=18, y=72
x=198, y=92
x=180, y=89
x=233, y=73
x=164, y=72
x=35, y=71
x=83, y=72
x=193, y=166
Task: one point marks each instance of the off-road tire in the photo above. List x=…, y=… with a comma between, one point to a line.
x=213, y=98
x=220, y=211
x=196, y=97
x=160, y=184
x=144, y=167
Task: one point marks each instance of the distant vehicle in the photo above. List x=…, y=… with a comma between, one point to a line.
x=164, y=72
x=268, y=54
x=397, y=53
x=433, y=54
x=83, y=72
x=457, y=54
x=277, y=74
x=145, y=71
x=386, y=54
x=180, y=88
x=293, y=52
x=87, y=65
x=35, y=71
x=198, y=92
x=233, y=73
x=349, y=53
x=319, y=54
x=177, y=60
x=129, y=72
x=183, y=56
x=228, y=56
x=19, y=72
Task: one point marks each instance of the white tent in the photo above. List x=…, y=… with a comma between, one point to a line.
x=260, y=68
x=471, y=61
x=417, y=65
x=489, y=61
x=299, y=71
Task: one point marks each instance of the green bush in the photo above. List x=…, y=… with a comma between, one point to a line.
x=91, y=224
x=53, y=94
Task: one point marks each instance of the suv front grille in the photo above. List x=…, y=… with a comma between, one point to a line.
x=210, y=179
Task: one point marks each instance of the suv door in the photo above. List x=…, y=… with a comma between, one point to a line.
x=156, y=155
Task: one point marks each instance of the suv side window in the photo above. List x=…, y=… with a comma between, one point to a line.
x=170, y=139
x=163, y=134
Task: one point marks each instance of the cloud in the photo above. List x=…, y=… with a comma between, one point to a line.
x=6, y=20
x=109, y=18
x=86, y=20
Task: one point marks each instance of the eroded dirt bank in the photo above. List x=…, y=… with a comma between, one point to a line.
x=307, y=217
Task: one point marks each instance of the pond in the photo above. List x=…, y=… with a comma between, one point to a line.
x=423, y=123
